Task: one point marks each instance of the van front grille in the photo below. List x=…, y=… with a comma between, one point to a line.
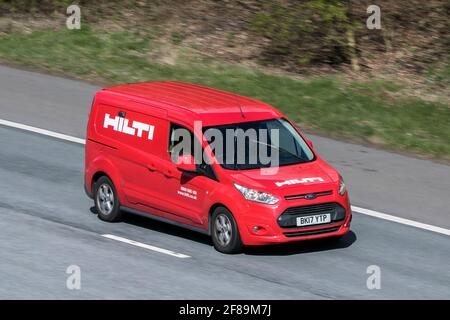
x=304, y=195
x=288, y=219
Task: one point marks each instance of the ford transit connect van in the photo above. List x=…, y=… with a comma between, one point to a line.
x=211, y=161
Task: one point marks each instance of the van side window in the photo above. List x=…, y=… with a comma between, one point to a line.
x=181, y=142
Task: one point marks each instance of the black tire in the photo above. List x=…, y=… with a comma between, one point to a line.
x=234, y=243
x=107, y=212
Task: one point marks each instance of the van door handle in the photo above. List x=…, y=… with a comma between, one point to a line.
x=151, y=167
x=168, y=173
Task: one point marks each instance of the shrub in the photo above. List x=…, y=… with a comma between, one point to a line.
x=305, y=32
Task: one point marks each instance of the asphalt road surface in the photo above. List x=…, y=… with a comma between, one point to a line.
x=47, y=225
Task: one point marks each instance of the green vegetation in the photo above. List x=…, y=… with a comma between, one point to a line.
x=176, y=38
x=295, y=30
x=439, y=75
x=374, y=111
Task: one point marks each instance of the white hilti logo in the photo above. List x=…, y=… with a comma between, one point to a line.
x=297, y=181
x=121, y=124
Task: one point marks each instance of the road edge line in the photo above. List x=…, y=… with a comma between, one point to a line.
x=404, y=221
x=42, y=131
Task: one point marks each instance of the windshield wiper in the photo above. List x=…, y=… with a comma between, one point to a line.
x=281, y=149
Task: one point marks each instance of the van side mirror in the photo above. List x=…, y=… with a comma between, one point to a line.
x=186, y=163
x=310, y=144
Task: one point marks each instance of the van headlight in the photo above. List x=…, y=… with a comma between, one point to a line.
x=257, y=196
x=342, y=187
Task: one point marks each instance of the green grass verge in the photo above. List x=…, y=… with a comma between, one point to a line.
x=374, y=111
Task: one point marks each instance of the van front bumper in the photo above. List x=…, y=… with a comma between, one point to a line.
x=262, y=226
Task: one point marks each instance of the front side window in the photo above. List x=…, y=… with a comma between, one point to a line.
x=183, y=142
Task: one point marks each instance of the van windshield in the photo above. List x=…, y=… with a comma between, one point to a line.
x=256, y=145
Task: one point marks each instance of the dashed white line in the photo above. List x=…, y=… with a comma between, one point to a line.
x=368, y=212
x=407, y=222
x=146, y=246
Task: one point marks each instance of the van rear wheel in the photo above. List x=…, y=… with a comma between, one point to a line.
x=224, y=231
x=106, y=200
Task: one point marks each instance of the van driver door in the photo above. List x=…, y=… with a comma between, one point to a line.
x=186, y=192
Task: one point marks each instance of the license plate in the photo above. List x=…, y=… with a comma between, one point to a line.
x=311, y=220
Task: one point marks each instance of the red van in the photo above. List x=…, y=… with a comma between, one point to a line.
x=219, y=181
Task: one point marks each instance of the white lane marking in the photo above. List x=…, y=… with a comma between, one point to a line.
x=146, y=246
x=42, y=131
x=408, y=222
x=368, y=212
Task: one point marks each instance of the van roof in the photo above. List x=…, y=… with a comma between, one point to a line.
x=201, y=100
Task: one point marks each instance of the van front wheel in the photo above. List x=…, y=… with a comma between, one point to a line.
x=224, y=231
x=106, y=200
